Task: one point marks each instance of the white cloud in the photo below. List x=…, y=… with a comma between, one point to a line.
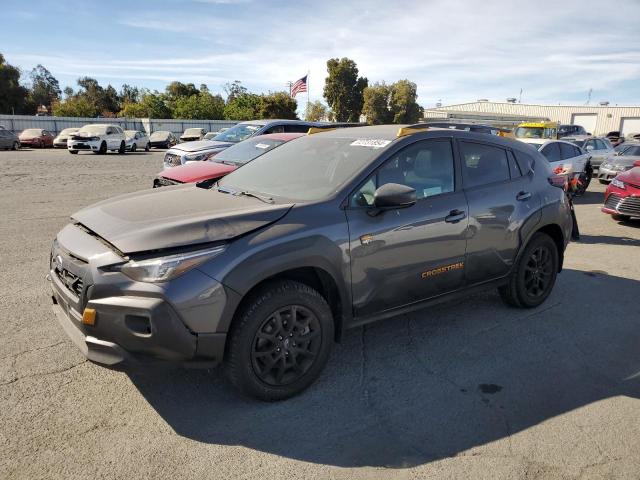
x=454, y=50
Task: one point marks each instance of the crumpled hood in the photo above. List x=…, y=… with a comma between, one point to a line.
x=176, y=216
x=201, y=145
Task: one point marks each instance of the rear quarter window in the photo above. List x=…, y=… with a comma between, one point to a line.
x=552, y=152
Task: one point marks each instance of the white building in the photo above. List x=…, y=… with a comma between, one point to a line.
x=596, y=119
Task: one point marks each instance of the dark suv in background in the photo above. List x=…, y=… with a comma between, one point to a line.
x=264, y=270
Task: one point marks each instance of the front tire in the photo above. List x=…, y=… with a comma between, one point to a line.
x=620, y=218
x=535, y=273
x=280, y=341
x=603, y=182
x=73, y=152
x=103, y=149
x=16, y=146
x=134, y=147
x=122, y=149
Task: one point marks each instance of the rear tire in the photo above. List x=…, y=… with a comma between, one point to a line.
x=535, y=274
x=15, y=146
x=147, y=147
x=280, y=341
x=122, y=149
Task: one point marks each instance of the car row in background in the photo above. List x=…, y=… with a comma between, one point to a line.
x=599, y=148
x=9, y=140
x=206, y=149
x=624, y=160
x=36, y=138
x=135, y=139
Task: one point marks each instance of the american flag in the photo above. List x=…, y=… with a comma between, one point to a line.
x=299, y=86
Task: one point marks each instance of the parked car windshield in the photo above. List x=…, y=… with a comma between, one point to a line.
x=632, y=151
x=159, y=135
x=94, y=129
x=534, y=132
x=246, y=151
x=237, y=133
x=307, y=169
x=32, y=131
x=68, y=131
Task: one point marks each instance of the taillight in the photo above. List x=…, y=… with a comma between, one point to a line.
x=559, y=181
x=558, y=170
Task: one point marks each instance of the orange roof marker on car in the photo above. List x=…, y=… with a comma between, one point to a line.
x=404, y=131
x=314, y=130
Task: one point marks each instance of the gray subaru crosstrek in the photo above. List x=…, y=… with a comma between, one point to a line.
x=264, y=270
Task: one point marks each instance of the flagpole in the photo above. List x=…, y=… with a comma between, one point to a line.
x=307, y=105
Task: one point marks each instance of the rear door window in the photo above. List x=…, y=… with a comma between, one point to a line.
x=552, y=152
x=483, y=164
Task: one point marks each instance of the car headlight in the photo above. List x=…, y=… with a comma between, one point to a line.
x=197, y=157
x=617, y=183
x=162, y=269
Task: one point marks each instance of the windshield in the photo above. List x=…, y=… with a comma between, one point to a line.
x=32, y=131
x=535, y=132
x=307, y=169
x=159, y=135
x=246, y=151
x=94, y=129
x=631, y=151
x=130, y=133
x=68, y=131
x=192, y=131
x=238, y=133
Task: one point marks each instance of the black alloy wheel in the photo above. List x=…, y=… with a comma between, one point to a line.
x=538, y=272
x=286, y=345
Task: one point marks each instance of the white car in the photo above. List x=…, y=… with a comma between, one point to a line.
x=136, y=139
x=98, y=138
x=567, y=159
x=61, y=140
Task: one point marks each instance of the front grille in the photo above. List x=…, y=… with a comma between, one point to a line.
x=172, y=159
x=73, y=282
x=164, y=182
x=624, y=205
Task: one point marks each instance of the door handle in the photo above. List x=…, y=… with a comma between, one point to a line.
x=455, y=216
x=522, y=196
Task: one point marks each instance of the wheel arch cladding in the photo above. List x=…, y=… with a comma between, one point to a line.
x=555, y=232
x=314, y=277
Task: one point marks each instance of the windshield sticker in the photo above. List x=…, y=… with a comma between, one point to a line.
x=370, y=142
x=262, y=146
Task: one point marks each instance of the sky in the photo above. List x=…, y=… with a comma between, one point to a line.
x=454, y=50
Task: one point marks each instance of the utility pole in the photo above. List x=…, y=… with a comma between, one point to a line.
x=289, y=85
x=589, y=97
x=520, y=97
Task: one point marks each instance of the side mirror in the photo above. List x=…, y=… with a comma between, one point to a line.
x=392, y=196
x=589, y=148
x=636, y=163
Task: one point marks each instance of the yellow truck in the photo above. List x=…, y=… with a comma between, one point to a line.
x=536, y=131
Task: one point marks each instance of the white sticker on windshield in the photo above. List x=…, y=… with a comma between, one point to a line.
x=262, y=145
x=370, y=142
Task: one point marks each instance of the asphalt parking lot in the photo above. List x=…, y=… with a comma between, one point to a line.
x=470, y=389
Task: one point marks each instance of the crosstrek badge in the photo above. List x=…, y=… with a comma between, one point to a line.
x=440, y=270
x=370, y=142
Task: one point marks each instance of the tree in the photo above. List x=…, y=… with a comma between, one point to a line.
x=243, y=107
x=109, y=102
x=316, y=112
x=178, y=89
x=13, y=96
x=68, y=92
x=45, y=88
x=203, y=106
x=376, y=104
x=278, y=105
x=403, y=102
x=343, y=89
x=129, y=94
x=74, y=107
x=152, y=105
x=234, y=90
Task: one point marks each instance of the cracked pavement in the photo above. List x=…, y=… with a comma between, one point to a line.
x=467, y=389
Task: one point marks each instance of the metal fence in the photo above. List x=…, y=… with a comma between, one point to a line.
x=17, y=123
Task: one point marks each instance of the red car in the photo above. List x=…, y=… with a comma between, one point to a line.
x=36, y=137
x=622, y=198
x=224, y=162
